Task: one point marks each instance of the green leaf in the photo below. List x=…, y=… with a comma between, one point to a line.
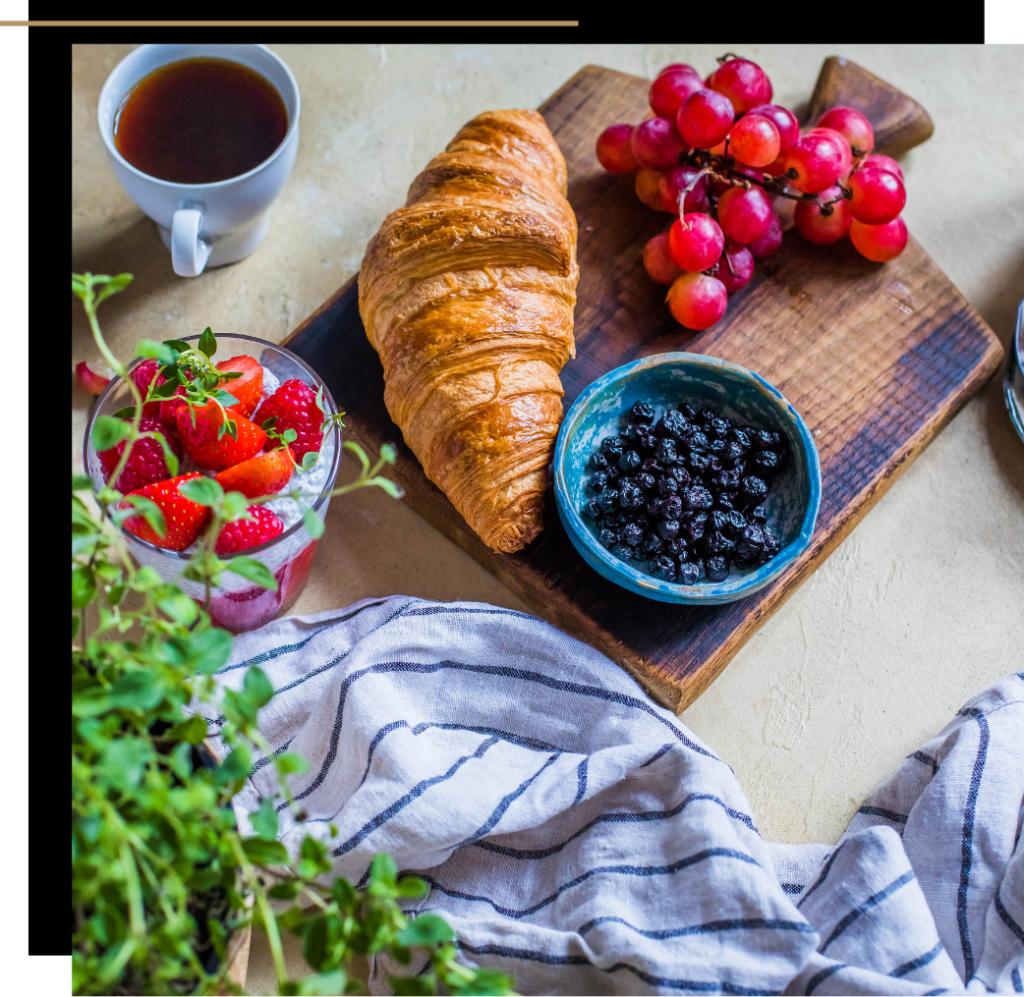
x=210, y=650
x=320, y=400
x=81, y=482
x=203, y=491
x=75, y=621
x=428, y=929
x=124, y=761
x=388, y=453
x=289, y=435
x=107, y=432
x=236, y=765
x=313, y=523
x=309, y=459
x=170, y=457
x=177, y=344
x=383, y=869
x=235, y=506
x=125, y=413
x=165, y=390
x=180, y=608
x=262, y=852
x=268, y=423
x=111, y=285
x=284, y=891
x=192, y=731
x=264, y=820
x=288, y=763
x=412, y=887
x=116, y=595
x=151, y=512
x=83, y=586
x=257, y=687
x=412, y=986
x=395, y=491
x=314, y=942
x=255, y=571
x=208, y=342
x=153, y=350
x=325, y=983
x=137, y=690
x=225, y=397
x=344, y=893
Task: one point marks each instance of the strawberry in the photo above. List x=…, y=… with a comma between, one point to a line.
x=88, y=380
x=200, y=439
x=142, y=374
x=294, y=406
x=244, y=533
x=248, y=388
x=146, y=463
x=265, y=474
x=184, y=518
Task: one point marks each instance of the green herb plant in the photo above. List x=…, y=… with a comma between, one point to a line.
x=161, y=876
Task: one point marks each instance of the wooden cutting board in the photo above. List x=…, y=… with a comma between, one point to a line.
x=876, y=357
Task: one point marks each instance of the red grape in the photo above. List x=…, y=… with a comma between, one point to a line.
x=778, y=165
x=674, y=181
x=769, y=242
x=646, y=186
x=656, y=143
x=679, y=67
x=669, y=90
x=697, y=301
x=883, y=163
x=783, y=119
x=817, y=160
x=853, y=126
x=878, y=196
x=705, y=118
x=613, y=149
x=841, y=143
x=657, y=261
x=754, y=140
x=695, y=241
x=819, y=228
x=735, y=267
x=744, y=215
x=743, y=82
x=879, y=242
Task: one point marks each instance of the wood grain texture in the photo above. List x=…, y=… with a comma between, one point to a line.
x=876, y=357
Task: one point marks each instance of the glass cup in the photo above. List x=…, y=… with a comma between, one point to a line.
x=237, y=604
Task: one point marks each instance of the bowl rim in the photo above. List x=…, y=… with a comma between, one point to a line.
x=116, y=381
x=644, y=584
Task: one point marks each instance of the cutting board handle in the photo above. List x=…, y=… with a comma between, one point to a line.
x=900, y=122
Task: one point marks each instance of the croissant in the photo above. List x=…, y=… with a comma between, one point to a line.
x=467, y=293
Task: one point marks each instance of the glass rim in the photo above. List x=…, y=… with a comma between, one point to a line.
x=324, y=496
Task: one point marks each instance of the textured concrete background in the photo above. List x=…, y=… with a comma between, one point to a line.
x=920, y=608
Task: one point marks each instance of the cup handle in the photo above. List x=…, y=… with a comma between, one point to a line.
x=189, y=253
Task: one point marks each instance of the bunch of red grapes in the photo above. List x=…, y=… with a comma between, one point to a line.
x=717, y=153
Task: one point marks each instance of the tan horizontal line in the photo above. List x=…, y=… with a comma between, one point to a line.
x=287, y=24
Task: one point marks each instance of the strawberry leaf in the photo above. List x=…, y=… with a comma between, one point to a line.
x=313, y=523
x=165, y=390
x=107, y=432
x=151, y=512
x=208, y=342
x=253, y=570
x=202, y=491
x=125, y=413
x=268, y=424
x=151, y=349
x=225, y=397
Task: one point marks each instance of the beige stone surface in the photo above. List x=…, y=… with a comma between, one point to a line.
x=920, y=608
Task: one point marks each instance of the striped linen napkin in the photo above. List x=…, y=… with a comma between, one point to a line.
x=581, y=838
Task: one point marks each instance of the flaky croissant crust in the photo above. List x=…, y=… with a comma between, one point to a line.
x=467, y=293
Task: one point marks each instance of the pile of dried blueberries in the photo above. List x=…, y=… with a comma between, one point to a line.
x=684, y=494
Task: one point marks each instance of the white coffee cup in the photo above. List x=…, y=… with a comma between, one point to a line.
x=204, y=224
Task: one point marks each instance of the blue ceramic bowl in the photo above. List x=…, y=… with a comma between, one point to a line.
x=667, y=380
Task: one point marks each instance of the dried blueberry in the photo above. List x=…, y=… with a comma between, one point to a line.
x=716, y=446
x=629, y=462
x=663, y=567
x=725, y=500
x=667, y=486
x=645, y=481
x=613, y=472
x=717, y=569
x=631, y=535
x=697, y=461
x=759, y=515
x=741, y=437
x=697, y=497
x=598, y=481
x=694, y=439
x=665, y=451
x=654, y=507
x=668, y=529
x=642, y=412
x=772, y=544
x=705, y=415
x=608, y=537
x=677, y=548
x=688, y=410
x=652, y=466
x=653, y=543
x=730, y=453
x=760, y=438
x=717, y=520
x=591, y=509
x=672, y=507
x=727, y=481
x=598, y=461
x=734, y=523
x=680, y=474
x=647, y=441
x=766, y=460
x=688, y=573
x=719, y=427
x=611, y=446
x=714, y=464
x=753, y=488
x=623, y=552
x=753, y=534
x=608, y=501
x=693, y=529
x=672, y=423
x=630, y=496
